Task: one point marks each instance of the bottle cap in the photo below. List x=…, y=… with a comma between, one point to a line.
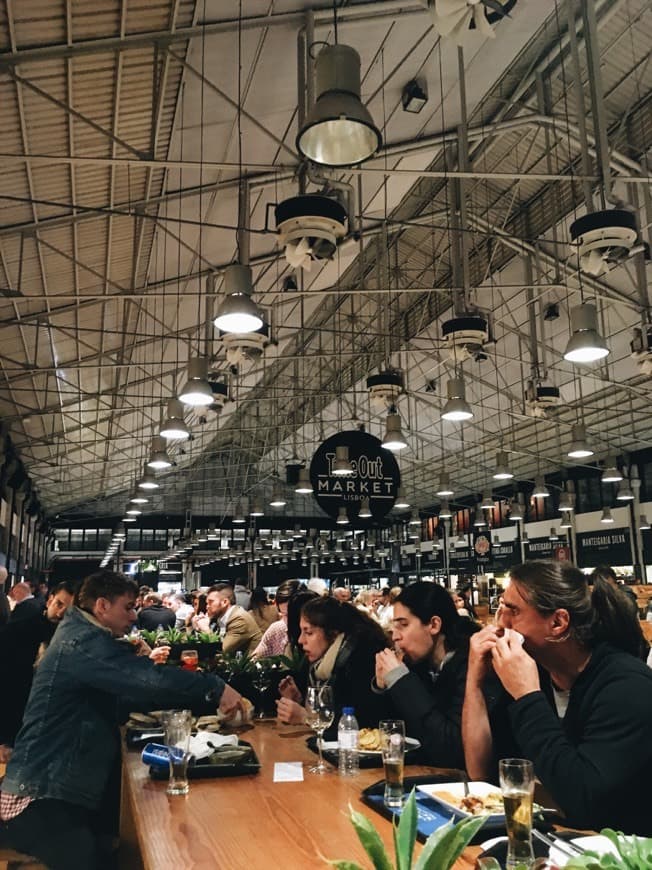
x=348, y=711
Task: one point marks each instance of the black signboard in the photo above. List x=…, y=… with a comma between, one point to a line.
x=461, y=559
x=505, y=554
x=482, y=550
x=376, y=476
x=540, y=548
x=610, y=547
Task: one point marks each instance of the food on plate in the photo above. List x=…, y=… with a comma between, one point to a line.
x=369, y=739
x=475, y=804
x=208, y=723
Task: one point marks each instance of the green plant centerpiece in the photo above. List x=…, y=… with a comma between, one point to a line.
x=633, y=853
x=440, y=851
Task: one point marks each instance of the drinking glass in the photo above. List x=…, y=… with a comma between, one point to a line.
x=189, y=659
x=517, y=785
x=261, y=681
x=178, y=724
x=321, y=712
x=392, y=746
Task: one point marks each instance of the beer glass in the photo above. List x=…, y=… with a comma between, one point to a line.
x=517, y=786
x=178, y=724
x=189, y=659
x=392, y=746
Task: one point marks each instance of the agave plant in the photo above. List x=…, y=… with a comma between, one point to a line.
x=441, y=850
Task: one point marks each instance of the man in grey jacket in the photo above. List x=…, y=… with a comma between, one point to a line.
x=69, y=743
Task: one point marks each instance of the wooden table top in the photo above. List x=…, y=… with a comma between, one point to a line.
x=251, y=822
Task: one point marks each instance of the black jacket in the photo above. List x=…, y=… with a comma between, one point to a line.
x=431, y=705
x=19, y=646
x=151, y=617
x=596, y=762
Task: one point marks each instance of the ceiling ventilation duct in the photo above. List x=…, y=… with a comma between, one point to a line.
x=465, y=336
x=385, y=389
x=541, y=398
x=603, y=239
x=244, y=347
x=309, y=227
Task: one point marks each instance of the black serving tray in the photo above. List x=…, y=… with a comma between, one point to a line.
x=367, y=759
x=203, y=769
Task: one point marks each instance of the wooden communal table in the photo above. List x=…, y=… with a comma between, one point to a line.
x=250, y=822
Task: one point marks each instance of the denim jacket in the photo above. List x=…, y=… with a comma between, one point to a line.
x=69, y=738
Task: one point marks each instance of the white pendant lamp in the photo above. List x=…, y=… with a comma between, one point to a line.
x=502, y=471
x=566, y=521
x=444, y=489
x=414, y=520
x=401, y=502
x=625, y=492
x=174, y=428
x=579, y=448
x=159, y=458
x=365, y=509
x=611, y=474
x=456, y=408
x=197, y=392
x=540, y=489
x=342, y=466
x=303, y=485
x=339, y=131
x=643, y=523
x=238, y=312
x=147, y=481
x=394, y=439
x=516, y=512
x=479, y=520
x=277, y=499
x=239, y=517
x=585, y=345
x=487, y=502
x=445, y=512
x=138, y=498
x=342, y=517
x=256, y=509
x=606, y=516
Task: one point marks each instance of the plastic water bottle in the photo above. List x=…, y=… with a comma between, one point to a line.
x=348, y=733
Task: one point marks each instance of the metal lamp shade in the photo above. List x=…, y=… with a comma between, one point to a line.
x=197, y=391
x=585, y=344
x=238, y=311
x=394, y=439
x=456, y=408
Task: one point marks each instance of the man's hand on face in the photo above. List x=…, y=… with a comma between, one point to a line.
x=516, y=670
x=481, y=646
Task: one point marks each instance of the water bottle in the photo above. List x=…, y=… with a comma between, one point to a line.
x=348, y=733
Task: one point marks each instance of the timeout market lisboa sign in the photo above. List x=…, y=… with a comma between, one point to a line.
x=376, y=476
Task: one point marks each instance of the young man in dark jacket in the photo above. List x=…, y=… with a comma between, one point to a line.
x=69, y=742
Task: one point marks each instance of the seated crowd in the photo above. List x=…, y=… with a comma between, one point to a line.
x=559, y=678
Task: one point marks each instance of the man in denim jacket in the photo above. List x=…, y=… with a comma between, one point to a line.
x=69, y=742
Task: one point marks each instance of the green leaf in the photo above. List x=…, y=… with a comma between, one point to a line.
x=346, y=865
x=405, y=834
x=448, y=844
x=370, y=839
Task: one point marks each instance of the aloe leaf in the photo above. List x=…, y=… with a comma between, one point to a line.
x=370, y=839
x=450, y=845
x=346, y=865
x=405, y=833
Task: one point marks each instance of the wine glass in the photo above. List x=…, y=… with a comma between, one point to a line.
x=321, y=712
x=261, y=681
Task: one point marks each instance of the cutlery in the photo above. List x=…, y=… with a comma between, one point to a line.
x=570, y=850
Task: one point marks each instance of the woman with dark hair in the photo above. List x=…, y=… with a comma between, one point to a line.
x=427, y=686
x=340, y=644
x=578, y=701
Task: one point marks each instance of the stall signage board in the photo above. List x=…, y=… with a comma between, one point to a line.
x=599, y=548
x=482, y=549
x=377, y=476
x=540, y=548
x=505, y=555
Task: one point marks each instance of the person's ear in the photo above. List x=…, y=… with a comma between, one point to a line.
x=435, y=625
x=559, y=623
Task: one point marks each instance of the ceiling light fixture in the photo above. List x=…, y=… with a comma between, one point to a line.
x=138, y=498
x=566, y=521
x=238, y=312
x=625, y=492
x=197, y=392
x=606, y=516
x=553, y=534
x=479, y=520
x=585, y=344
x=502, y=471
x=147, y=481
x=456, y=408
x=159, y=458
x=365, y=509
x=643, y=523
x=342, y=517
x=487, y=502
x=414, y=97
x=579, y=449
x=339, y=130
x=445, y=512
x=414, y=520
x=238, y=516
x=174, y=428
x=444, y=487
x=256, y=509
x=611, y=474
x=540, y=489
x=277, y=499
x=303, y=484
x=394, y=439
x=516, y=512
x=401, y=502
x=342, y=466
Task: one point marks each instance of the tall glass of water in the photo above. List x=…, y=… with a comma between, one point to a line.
x=517, y=786
x=178, y=725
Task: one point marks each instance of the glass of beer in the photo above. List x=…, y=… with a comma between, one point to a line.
x=392, y=746
x=517, y=786
x=178, y=725
x=189, y=659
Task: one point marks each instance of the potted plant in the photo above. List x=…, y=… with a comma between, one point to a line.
x=440, y=851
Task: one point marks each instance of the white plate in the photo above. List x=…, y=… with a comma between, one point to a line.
x=595, y=843
x=410, y=744
x=440, y=791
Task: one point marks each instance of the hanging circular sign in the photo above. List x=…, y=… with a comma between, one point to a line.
x=376, y=476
